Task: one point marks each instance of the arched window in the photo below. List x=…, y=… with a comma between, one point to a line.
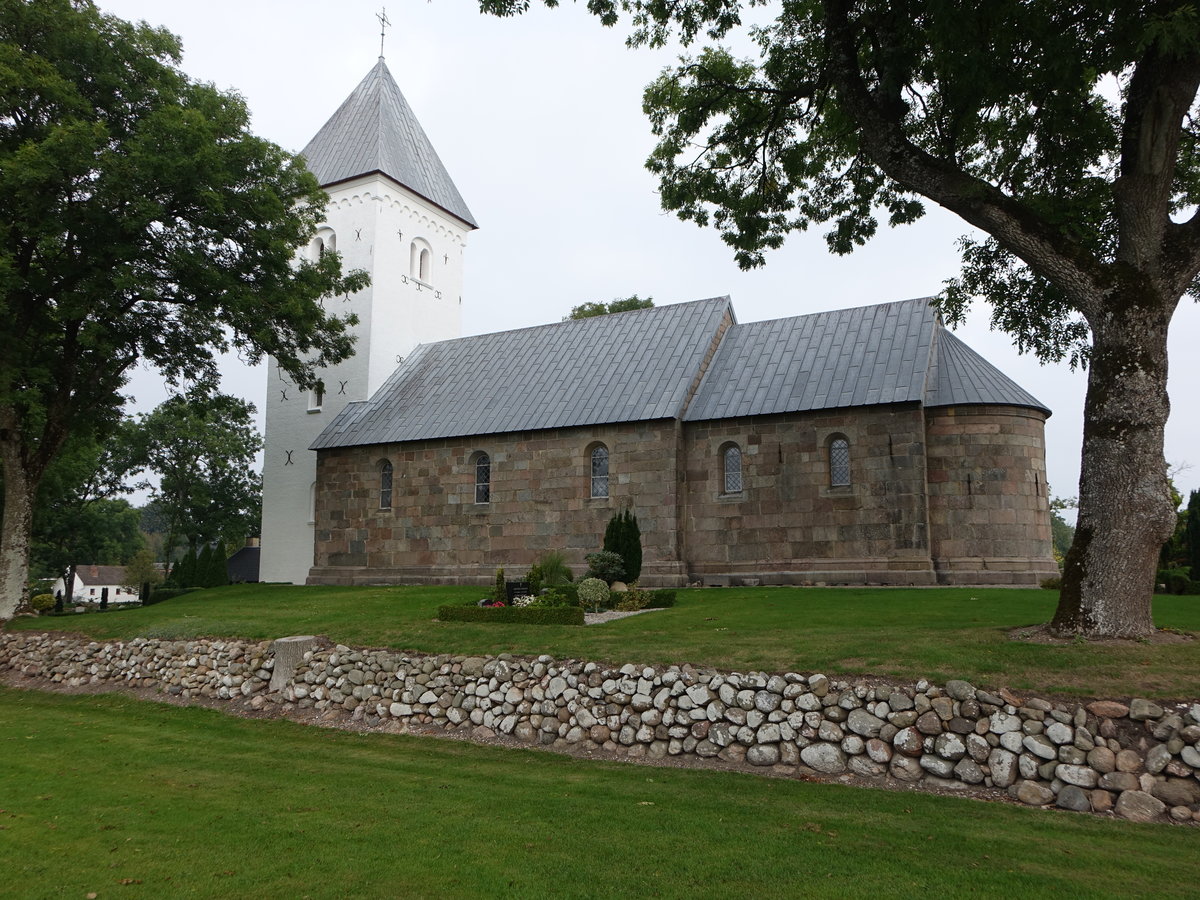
x=600, y=471
x=839, y=462
x=731, y=462
x=483, y=478
x=420, y=260
x=385, y=485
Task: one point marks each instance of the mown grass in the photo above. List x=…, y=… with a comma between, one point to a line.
x=125, y=798
x=903, y=633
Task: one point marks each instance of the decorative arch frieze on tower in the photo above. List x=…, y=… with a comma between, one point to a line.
x=391, y=204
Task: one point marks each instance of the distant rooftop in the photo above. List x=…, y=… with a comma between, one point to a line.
x=375, y=130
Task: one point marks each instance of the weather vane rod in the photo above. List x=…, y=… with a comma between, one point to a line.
x=384, y=22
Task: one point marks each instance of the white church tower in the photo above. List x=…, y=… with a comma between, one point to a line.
x=395, y=213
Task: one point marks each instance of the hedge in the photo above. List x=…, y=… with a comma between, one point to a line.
x=159, y=594
x=661, y=599
x=515, y=615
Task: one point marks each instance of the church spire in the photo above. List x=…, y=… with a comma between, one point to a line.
x=376, y=131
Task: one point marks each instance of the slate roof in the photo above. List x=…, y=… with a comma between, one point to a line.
x=626, y=367
x=375, y=130
x=887, y=353
x=848, y=357
x=959, y=375
x=100, y=575
x=639, y=365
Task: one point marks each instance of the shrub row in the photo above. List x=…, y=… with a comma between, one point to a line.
x=159, y=594
x=532, y=615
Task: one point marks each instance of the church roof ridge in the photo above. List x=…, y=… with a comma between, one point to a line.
x=623, y=367
x=375, y=130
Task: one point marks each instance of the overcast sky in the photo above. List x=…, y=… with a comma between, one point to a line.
x=538, y=120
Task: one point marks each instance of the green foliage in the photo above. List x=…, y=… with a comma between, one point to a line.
x=605, y=565
x=594, y=594
x=593, y=309
x=534, y=579
x=1192, y=532
x=141, y=222
x=512, y=615
x=142, y=569
x=186, y=571
x=41, y=603
x=554, y=569
x=623, y=537
x=1177, y=581
x=561, y=595
x=661, y=599
x=631, y=600
x=159, y=594
x=201, y=445
x=1053, y=583
x=499, y=591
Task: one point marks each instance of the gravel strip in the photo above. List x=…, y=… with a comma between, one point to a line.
x=601, y=618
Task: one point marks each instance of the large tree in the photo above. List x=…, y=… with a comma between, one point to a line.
x=140, y=221
x=1063, y=131
x=201, y=448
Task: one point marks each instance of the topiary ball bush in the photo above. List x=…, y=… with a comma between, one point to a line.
x=594, y=594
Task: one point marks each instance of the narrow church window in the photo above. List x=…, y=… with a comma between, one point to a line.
x=839, y=462
x=385, y=485
x=316, y=397
x=420, y=260
x=600, y=471
x=483, y=478
x=732, y=462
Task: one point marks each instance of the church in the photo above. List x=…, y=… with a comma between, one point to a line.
x=855, y=446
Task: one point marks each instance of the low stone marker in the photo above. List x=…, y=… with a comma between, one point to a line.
x=289, y=654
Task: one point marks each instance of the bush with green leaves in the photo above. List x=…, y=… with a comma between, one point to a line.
x=562, y=595
x=41, y=603
x=605, y=565
x=624, y=538
x=594, y=594
x=631, y=600
x=499, y=592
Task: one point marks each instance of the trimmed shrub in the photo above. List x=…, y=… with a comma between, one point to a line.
x=534, y=579
x=631, y=600
x=41, y=603
x=1054, y=583
x=513, y=615
x=661, y=599
x=499, y=589
x=606, y=566
x=594, y=594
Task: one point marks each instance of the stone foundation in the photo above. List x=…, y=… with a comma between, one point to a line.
x=1136, y=759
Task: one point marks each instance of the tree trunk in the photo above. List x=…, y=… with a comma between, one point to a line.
x=19, y=492
x=1125, y=510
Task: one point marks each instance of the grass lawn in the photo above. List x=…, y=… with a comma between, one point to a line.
x=905, y=633
x=130, y=799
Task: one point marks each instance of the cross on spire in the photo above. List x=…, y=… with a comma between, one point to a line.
x=384, y=22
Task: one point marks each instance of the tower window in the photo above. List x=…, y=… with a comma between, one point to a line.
x=839, y=462
x=731, y=464
x=420, y=260
x=316, y=397
x=483, y=478
x=385, y=485
x=599, y=471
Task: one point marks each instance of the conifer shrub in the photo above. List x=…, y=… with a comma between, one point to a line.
x=623, y=537
x=606, y=566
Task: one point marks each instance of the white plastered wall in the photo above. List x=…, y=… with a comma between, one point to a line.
x=374, y=221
